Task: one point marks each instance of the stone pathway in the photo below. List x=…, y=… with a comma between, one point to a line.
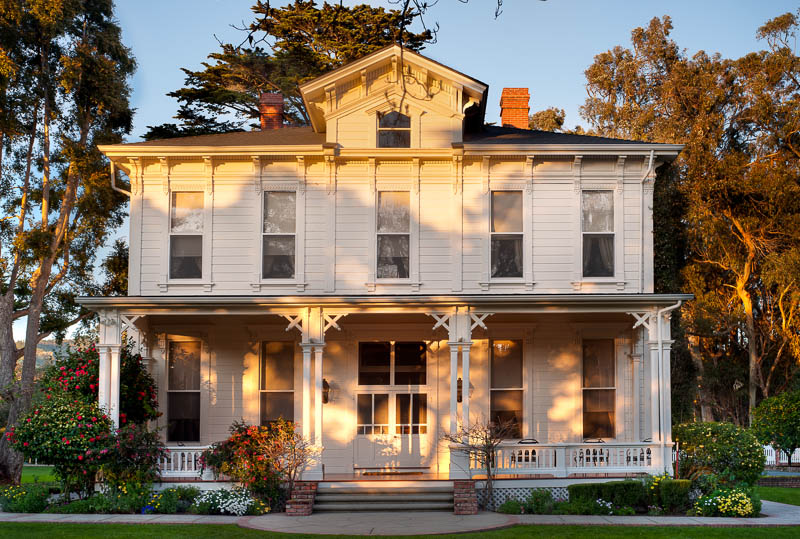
x=414, y=523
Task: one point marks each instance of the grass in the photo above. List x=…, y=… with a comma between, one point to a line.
x=37, y=474
x=780, y=494
x=15, y=529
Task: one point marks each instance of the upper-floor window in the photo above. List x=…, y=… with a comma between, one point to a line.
x=597, y=228
x=598, y=388
x=506, y=241
x=394, y=234
x=394, y=130
x=278, y=235
x=186, y=236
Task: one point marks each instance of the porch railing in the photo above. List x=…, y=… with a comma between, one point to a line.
x=182, y=462
x=562, y=460
x=779, y=458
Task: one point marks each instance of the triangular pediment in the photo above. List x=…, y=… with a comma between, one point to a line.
x=392, y=73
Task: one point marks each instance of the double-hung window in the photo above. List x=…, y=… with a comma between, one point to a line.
x=597, y=229
x=276, y=381
x=394, y=235
x=598, y=388
x=387, y=363
x=183, y=391
x=278, y=235
x=506, y=385
x=394, y=130
x=506, y=234
x=186, y=235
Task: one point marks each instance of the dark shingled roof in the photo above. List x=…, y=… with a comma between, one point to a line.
x=286, y=136
x=492, y=134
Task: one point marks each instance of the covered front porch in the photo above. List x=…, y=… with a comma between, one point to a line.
x=375, y=382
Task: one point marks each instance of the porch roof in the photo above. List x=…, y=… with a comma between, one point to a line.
x=516, y=303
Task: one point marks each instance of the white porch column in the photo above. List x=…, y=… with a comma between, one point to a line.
x=318, y=394
x=305, y=426
x=655, y=392
x=453, y=387
x=104, y=378
x=465, y=384
x=113, y=398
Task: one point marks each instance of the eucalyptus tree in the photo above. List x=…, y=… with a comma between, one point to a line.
x=63, y=90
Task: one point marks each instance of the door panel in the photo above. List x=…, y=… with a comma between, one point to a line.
x=392, y=430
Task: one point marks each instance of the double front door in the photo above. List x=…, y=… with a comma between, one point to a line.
x=392, y=430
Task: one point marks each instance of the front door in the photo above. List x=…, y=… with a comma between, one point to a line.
x=392, y=430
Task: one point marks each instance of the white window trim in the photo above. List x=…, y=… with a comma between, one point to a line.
x=412, y=282
x=298, y=281
x=413, y=120
x=204, y=382
x=618, y=279
x=488, y=281
x=619, y=407
x=205, y=281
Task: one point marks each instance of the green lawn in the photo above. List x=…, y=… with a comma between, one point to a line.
x=780, y=494
x=37, y=474
x=216, y=531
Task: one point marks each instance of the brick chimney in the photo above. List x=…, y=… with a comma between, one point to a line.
x=270, y=108
x=514, y=107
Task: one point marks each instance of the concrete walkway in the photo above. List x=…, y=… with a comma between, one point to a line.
x=411, y=523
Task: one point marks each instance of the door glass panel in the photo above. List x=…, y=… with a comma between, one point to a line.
x=183, y=413
x=372, y=411
x=277, y=365
x=506, y=407
x=382, y=413
x=276, y=405
x=419, y=414
x=403, y=410
x=411, y=413
x=364, y=413
x=598, y=413
x=410, y=363
x=374, y=359
x=184, y=365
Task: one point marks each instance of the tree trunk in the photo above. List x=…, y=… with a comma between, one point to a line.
x=703, y=395
x=10, y=460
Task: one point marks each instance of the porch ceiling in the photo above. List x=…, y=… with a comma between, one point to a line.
x=254, y=305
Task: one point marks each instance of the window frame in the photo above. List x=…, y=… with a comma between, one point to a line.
x=522, y=381
x=615, y=388
x=521, y=234
x=203, y=412
x=294, y=235
x=392, y=386
x=261, y=346
x=412, y=282
x=205, y=235
x=379, y=129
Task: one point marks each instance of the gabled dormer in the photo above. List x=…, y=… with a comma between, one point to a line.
x=394, y=98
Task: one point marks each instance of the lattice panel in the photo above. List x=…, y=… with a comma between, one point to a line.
x=503, y=494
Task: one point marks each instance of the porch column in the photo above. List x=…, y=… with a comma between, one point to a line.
x=305, y=427
x=655, y=393
x=465, y=384
x=318, y=394
x=113, y=398
x=453, y=387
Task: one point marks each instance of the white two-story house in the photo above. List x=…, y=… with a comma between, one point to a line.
x=395, y=271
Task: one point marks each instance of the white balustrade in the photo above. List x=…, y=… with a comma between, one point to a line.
x=182, y=462
x=779, y=458
x=562, y=460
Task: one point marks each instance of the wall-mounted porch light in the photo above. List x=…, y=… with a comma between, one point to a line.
x=326, y=391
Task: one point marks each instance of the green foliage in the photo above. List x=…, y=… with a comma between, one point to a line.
x=674, y=494
x=286, y=46
x=24, y=498
x=70, y=434
x=620, y=493
x=549, y=119
x=730, y=452
x=511, y=507
x=728, y=502
x=164, y=502
x=776, y=421
x=540, y=502
x=136, y=454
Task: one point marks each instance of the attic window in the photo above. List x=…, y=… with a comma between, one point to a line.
x=394, y=130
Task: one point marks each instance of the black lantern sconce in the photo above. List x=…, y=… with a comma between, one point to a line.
x=326, y=391
x=460, y=391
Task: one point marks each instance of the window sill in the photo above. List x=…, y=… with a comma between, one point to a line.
x=505, y=282
x=372, y=285
x=605, y=281
x=278, y=283
x=166, y=284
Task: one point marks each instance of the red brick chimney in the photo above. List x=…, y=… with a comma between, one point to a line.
x=270, y=107
x=514, y=107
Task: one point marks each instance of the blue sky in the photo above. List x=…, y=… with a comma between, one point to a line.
x=544, y=46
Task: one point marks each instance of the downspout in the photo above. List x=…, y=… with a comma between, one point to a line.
x=661, y=373
x=114, y=182
x=641, y=221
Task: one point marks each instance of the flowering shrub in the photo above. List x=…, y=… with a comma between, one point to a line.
x=236, y=502
x=70, y=434
x=164, y=502
x=735, y=502
x=731, y=452
x=24, y=498
x=261, y=458
x=78, y=373
x=136, y=455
